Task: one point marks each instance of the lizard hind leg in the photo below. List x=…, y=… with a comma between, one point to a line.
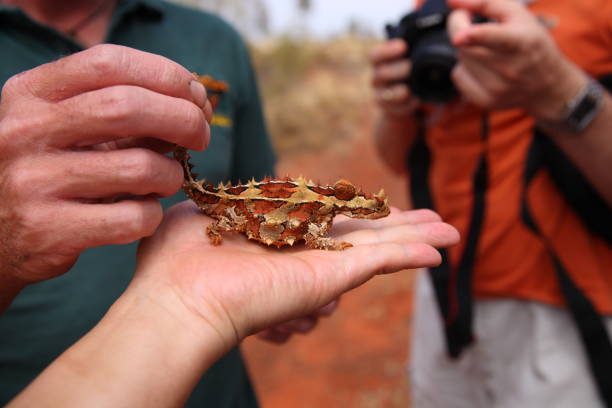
x=326, y=243
x=316, y=239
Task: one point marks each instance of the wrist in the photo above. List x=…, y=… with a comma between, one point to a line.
x=163, y=310
x=564, y=87
x=143, y=350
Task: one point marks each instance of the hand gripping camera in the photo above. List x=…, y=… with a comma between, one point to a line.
x=430, y=50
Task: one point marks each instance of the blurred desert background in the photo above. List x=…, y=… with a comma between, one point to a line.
x=314, y=81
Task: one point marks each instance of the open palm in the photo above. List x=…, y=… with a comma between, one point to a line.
x=241, y=286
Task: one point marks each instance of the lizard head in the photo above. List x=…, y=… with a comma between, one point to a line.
x=357, y=204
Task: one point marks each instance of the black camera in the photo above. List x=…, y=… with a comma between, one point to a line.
x=430, y=50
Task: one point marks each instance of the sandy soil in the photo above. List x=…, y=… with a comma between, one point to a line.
x=356, y=357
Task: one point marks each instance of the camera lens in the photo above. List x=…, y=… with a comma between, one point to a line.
x=430, y=79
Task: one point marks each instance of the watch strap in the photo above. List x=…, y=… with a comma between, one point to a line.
x=580, y=111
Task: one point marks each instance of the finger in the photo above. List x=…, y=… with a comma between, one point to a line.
x=156, y=145
x=485, y=56
x=458, y=21
x=109, y=65
x=274, y=335
x=490, y=35
x=499, y=10
x=394, y=71
x=105, y=174
x=389, y=51
x=436, y=234
x=394, y=96
x=208, y=111
x=470, y=88
x=92, y=225
x=366, y=261
x=301, y=325
x=394, y=219
x=127, y=112
x=328, y=309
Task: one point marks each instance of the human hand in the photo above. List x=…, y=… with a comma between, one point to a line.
x=76, y=165
x=241, y=287
x=391, y=69
x=281, y=333
x=512, y=61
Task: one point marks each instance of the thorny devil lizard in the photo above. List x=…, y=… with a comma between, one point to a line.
x=280, y=212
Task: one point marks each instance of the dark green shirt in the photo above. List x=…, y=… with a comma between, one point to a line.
x=48, y=317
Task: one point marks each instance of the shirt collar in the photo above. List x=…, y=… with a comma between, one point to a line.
x=153, y=8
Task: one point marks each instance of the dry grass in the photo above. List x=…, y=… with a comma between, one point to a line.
x=315, y=93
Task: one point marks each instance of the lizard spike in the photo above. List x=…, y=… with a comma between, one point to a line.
x=221, y=187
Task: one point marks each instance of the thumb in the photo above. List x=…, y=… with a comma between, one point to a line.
x=489, y=35
x=459, y=22
x=496, y=10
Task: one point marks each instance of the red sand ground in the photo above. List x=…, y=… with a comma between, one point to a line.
x=356, y=357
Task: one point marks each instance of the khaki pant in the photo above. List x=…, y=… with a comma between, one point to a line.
x=526, y=355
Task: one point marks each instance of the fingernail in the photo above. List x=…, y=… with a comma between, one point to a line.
x=305, y=325
x=198, y=92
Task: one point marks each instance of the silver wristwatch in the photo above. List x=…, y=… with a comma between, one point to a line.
x=580, y=111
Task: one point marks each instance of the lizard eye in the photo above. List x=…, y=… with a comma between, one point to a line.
x=344, y=190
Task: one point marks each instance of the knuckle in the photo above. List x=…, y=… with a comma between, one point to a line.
x=140, y=166
x=104, y=59
x=142, y=219
x=19, y=181
x=171, y=73
x=13, y=86
x=194, y=124
x=177, y=176
x=12, y=130
x=118, y=104
x=195, y=119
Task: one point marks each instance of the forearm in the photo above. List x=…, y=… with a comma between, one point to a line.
x=142, y=354
x=394, y=135
x=591, y=150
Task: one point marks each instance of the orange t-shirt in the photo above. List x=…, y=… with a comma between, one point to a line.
x=511, y=260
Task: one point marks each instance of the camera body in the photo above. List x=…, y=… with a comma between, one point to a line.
x=430, y=50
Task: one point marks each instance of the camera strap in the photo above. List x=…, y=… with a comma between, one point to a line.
x=453, y=286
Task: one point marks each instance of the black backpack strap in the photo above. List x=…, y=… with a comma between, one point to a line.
x=593, y=211
x=593, y=333
x=453, y=288
x=588, y=204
